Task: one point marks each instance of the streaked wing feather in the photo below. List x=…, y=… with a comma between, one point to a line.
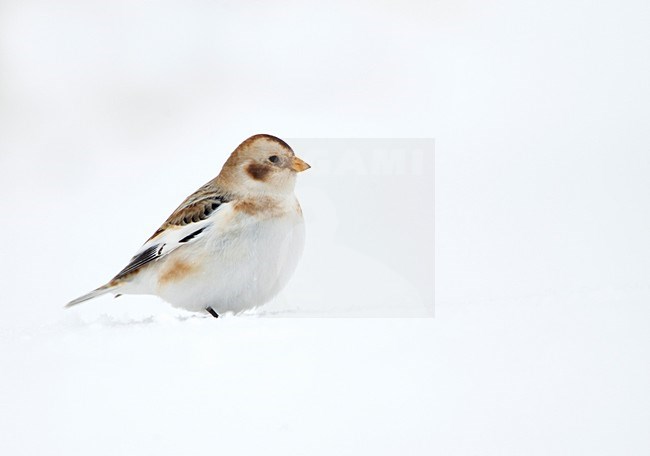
x=191, y=236
x=184, y=226
x=196, y=207
x=140, y=259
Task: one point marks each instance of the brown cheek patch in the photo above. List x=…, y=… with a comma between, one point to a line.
x=175, y=271
x=258, y=172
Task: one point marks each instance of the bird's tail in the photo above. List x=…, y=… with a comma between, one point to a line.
x=93, y=294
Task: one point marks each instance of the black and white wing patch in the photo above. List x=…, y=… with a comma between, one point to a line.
x=146, y=256
x=164, y=244
x=196, y=208
x=186, y=225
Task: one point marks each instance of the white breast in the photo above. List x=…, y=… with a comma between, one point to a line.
x=240, y=269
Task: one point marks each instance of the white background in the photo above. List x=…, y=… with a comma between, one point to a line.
x=112, y=112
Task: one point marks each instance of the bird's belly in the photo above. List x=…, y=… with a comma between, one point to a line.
x=239, y=270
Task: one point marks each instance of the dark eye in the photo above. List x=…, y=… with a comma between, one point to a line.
x=274, y=159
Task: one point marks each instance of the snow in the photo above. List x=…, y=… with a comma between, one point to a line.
x=534, y=377
x=110, y=114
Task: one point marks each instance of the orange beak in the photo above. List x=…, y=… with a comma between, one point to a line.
x=298, y=165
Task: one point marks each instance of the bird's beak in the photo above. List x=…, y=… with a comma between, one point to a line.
x=298, y=165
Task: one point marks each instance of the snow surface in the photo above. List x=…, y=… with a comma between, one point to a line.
x=110, y=113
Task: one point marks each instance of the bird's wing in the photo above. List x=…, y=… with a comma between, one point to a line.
x=197, y=214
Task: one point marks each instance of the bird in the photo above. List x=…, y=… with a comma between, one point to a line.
x=230, y=246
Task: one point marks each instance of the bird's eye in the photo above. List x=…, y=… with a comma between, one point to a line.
x=274, y=159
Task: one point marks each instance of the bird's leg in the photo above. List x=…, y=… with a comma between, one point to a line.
x=211, y=311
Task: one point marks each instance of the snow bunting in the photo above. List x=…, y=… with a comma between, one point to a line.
x=230, y=246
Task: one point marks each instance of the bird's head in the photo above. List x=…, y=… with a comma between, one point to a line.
x=262, y=165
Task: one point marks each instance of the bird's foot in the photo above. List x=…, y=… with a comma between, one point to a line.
x=211, y=311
